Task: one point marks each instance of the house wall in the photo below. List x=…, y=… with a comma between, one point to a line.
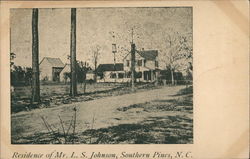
x=45, y=70
x=107, y=77
x=65, y=69
x=56, y=73
x=90, y=76
x=148, y=66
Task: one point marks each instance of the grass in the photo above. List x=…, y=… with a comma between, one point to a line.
x=58, y=94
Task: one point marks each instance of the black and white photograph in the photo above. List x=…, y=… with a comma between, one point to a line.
x=101, y=75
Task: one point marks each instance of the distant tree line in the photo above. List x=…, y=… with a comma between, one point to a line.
x=178, y=77
x=21, y=76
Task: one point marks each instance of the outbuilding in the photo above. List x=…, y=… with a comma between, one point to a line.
x=50, y=69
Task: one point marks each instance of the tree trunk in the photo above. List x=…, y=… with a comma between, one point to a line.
x=84, y=87
x=35, y=58
x=95, y=73
x=73, y=83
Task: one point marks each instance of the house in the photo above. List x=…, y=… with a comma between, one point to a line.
x=50, y=69
x=90, y=75
x=111, y=73
x=146, y=65
x=146, y=68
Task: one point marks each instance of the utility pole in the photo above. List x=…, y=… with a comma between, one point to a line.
x=114, y=52
x=35, y=58
x=132, y=63
x=73, y=82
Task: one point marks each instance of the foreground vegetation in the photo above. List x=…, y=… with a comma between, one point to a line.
x=58, y=94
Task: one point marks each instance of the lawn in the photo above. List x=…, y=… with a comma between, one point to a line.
x=58, y=94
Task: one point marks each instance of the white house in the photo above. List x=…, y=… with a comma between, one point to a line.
x=50, y=69
x=146, y=65
x=146, y=68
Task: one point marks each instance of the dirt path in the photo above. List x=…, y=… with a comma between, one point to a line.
x=102, y=111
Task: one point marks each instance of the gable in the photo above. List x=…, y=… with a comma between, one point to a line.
x=147, y=55
x=52, y=62
x=66, y=68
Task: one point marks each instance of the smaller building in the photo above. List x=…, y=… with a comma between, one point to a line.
x=111, y=73
x=90, y=75
x=50, y=69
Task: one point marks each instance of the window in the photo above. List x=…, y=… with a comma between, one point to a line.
x=120, y=75
x=145, y=62
x=139, y=62
x=128, y=74
x=138, y=74
x=127, y=63
x=113, y=75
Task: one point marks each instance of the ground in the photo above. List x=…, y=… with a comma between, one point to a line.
x=58, y=94
x=159, y=116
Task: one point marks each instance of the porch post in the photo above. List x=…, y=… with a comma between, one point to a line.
x=152, y=76
x=142, y=76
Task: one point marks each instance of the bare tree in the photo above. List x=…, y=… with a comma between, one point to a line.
x=95, y=57
x=179, y=52
x=171, y=53
x=35, y=57
x=12, y=54
x=186, y=43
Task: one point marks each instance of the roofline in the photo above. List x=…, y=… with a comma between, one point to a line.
x=109, y=64
x=57, y=67
x=139, y=53
x=52, y=58
x=126, y=55
x=41, y=60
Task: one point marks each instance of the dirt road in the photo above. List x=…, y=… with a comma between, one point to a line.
x=102, y=111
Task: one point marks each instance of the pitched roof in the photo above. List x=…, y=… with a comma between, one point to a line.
x=54, y=62
x=149, y=54
x=110, y=67
x=78, y=66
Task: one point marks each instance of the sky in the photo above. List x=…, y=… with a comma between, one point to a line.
x=96, y=27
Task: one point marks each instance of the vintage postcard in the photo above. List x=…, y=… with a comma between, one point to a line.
x=124, y=79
